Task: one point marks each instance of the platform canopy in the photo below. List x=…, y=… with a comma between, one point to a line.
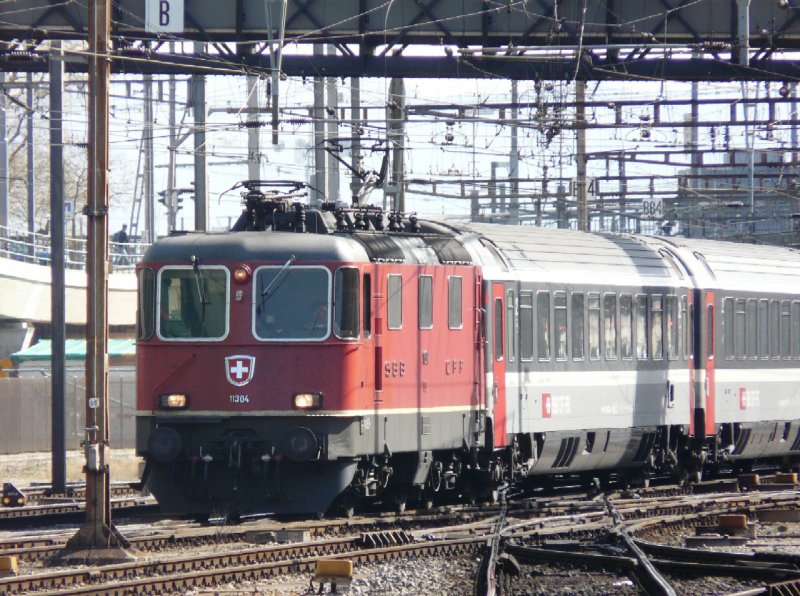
x=75, y=349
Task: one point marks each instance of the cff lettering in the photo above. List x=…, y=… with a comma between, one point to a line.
x=163, y=13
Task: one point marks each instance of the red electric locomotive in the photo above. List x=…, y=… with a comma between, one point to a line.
x=314, y=357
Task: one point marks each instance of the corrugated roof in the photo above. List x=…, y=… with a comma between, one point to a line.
x=74, y=349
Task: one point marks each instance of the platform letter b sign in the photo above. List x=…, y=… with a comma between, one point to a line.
x=163, y=13
x=164, y=16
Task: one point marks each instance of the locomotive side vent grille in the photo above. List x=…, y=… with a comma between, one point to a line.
x=645, y=446
x=566, y=452
x=426, y=425
x=796, y=444
x=742, y=440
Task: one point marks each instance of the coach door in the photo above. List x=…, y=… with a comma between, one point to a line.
x=497, y=394
x=709, y=356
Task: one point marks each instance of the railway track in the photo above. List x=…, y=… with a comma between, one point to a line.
x=552, y=529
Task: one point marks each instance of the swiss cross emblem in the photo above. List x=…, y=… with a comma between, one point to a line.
x=547, y=405
x=239, y=369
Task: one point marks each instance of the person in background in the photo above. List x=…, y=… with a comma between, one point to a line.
x=121, y=249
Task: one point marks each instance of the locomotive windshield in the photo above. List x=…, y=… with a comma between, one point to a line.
x=296, y=307
x=193, y=303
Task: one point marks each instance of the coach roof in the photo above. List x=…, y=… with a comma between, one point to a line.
x=556, y=253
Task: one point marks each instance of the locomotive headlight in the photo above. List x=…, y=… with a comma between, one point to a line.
x=241, y=274
x=308, y=401
x=173, y=401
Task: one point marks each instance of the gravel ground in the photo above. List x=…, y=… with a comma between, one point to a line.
x=425, y=576
x=24, y=469
x=547, y=580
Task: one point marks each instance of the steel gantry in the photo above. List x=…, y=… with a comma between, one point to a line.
x=525, y=39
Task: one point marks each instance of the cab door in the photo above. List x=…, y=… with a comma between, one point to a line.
x=497, y=395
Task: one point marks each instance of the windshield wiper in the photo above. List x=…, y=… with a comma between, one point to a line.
x=273, y=285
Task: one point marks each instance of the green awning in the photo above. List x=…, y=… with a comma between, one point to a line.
x=74, y=349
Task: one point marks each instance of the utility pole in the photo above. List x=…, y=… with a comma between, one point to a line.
x=396, y=133
x=355, y=147
x=318, y=112
x=332, y=105
x=97, y=541
x=58, y=387
x=148, y=181
x=171, y=196
x=200, y=162
x=253, y=157
x=3, y=154
x=31, y=164
x=580, y=156
x=513, y=162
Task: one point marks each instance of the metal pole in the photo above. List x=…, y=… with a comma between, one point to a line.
x=96, y=540
x=332, y=105
x=149, y=180
x=31, y=162
x=3, y=154
x=397, y=124
x=200, y=161
x=320, y=192
x=355, y=114
x=580, y=155
x=513, y=161
x=170, y=198
x=253, y=158
x=57, y=283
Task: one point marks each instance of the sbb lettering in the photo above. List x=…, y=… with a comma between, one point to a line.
x=394, y=368
x=453, y=367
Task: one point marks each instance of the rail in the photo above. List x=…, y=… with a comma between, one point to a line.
x=35, y=247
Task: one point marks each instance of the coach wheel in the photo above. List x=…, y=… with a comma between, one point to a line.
x=427, y=498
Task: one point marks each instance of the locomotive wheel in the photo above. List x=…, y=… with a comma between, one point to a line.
x=400, y=499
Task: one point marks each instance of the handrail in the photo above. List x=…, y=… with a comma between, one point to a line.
x=35, y=247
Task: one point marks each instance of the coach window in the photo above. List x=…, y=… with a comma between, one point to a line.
x=672, y=326
x=774, y=332
x=526, y=326
x=610, y=326
x=146, y=314
x=656, y=328
x=454, y=302
x=366, y=302
x=511, y=326
x=345, y=305
x=763, y=329
x=425, y=302
x=626, y=326
x=560, y=324
x=292, y=303
x=740, y=334
x=641, y=327
x=728, y=332
x=786, y=330
x=684, y=327
x=710, y=332
x=796, y=329
x=193, y=303
x=543, y=325
x=395, y=302
x=577, y=326
x=594, y=326
x=498, y=329
x=752, y=325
